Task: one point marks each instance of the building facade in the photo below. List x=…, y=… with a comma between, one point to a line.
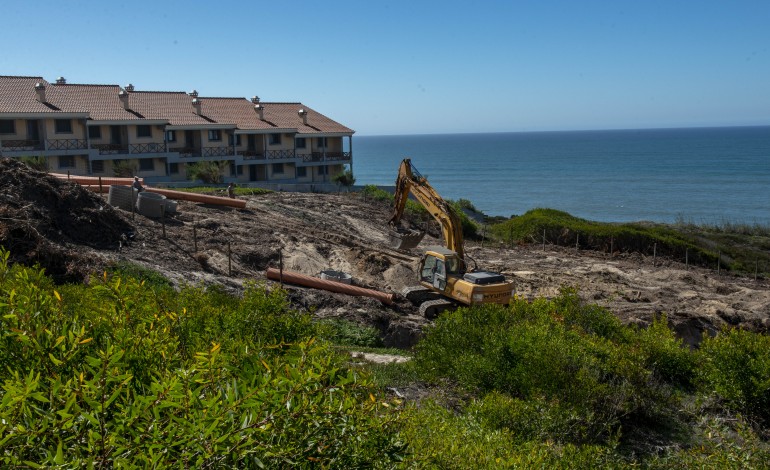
x=108, y=130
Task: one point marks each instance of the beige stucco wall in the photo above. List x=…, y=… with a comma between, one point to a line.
x=81, y=165
x=78, y=130
x=289, y=172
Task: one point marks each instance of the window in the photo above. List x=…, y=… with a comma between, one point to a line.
x=95, y=132
x=300, y=143
x=240, y=169
x=147, y=164
x=143, y=131
x=97, y=166
x=278, y=168
x=215, y=135
x=323, y=170
x=173, y=168
x=66, y=161
x=237, y=139
x=7, y=126
x=301, y=171
x=232, y=169
x=275, y=139
x=321, y=142
x=171, y=136
x=63, y=126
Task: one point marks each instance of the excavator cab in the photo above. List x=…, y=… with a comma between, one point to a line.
x=439, y=266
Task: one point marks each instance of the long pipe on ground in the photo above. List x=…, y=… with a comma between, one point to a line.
x=94, y=180
x=183, y=195
x=331, y=286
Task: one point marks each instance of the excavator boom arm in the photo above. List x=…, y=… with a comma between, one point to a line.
x=410, y=181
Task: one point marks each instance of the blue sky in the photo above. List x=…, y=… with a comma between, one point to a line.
x=421, y=66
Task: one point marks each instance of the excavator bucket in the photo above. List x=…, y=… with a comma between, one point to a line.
x=404, y=239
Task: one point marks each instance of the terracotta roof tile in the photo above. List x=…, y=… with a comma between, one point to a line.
x=101, y=101
x=18, y=95
x=174, y=106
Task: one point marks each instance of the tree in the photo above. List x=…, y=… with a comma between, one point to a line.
x=344, y=178
x=208, y=172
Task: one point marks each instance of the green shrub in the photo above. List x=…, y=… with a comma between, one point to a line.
x=574, y=360
x=736, y=366
x=346, y=333
x=209, y=172
x=114, y=374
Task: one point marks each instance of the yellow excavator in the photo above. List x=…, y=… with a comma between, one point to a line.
x=444, y=277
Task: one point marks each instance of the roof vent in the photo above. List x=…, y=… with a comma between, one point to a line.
x=255, y=99
x=61, y=81
x=129, y=88
x=197, y=105
x=123, y=95
x=194, y=93
x=303, y=114
x=260, y=110
x=40, y=90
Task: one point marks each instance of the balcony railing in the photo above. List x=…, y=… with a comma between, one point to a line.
x=252, y=155
x=217, y=151
x=110, y=149
x=279, y=154
x=328, y=156
x=66, y=144
x=186, y=152
x=312, y=157
x=21, y=145
x=334, y=156
x=147, y=148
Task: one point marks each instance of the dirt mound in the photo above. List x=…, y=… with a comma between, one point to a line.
x=47, y=221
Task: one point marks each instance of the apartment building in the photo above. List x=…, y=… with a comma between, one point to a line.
x=106, y=130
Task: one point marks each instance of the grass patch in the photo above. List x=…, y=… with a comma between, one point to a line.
x=222, y=191
x=745, y=250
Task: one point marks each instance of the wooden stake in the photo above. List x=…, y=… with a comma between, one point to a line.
x=654, y=253
x=195, y=237
x=229, y=260
x=687, y=258
x=612, y=245
x=543, y=239
x=577, y=242
x=756, y=268
x=163, y=219
x=719, y=261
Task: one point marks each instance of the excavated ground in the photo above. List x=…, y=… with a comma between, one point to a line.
x=74, y=233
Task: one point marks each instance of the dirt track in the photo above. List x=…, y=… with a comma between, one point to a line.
x=315, y=232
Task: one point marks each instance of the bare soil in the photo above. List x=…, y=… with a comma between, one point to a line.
x=74, y=233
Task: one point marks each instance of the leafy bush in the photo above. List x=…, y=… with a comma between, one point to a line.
x=36, y=162
x=589, y=375
x=736, y=365
x=116, y=374
x=345, y=178
x=123, y=168
x=346, y=333
x=209, y=172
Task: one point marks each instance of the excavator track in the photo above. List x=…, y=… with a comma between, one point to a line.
x=432, y=308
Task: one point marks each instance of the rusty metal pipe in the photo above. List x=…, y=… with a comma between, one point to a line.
x=331, y=286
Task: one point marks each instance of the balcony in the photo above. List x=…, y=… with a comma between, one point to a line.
x=21, y=145
x=110, y=149
x=187, y=152
x=316, y=157
x=280, y=154
x=217, y=151
x=337, y=156
x=252, y=155
x=147, y=148
x=66, y=144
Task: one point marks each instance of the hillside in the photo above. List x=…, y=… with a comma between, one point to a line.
x=74, y=233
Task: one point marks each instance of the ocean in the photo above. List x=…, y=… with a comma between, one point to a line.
x=698, y=175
